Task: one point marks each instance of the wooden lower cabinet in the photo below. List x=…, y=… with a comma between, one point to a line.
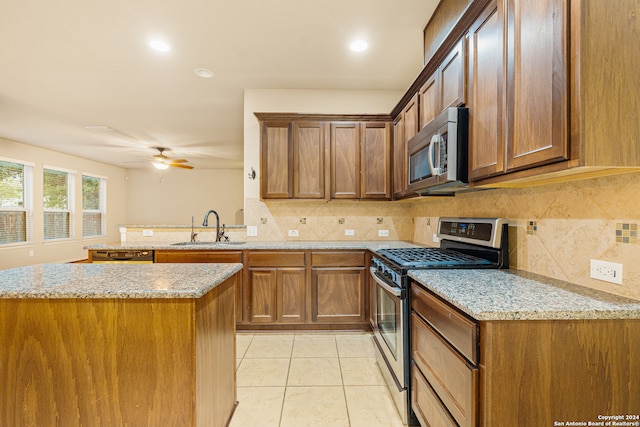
x=338, y=295
x=277, y=295
x=529, y=372
x=197, y=256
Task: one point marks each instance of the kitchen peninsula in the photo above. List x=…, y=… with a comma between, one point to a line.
x=91, y=344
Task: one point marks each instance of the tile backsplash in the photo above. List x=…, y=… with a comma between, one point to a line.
x=554, y=229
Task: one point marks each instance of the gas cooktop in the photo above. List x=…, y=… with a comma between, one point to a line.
x=431, y=258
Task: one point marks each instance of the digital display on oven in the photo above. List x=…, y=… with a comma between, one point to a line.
x=471, y=230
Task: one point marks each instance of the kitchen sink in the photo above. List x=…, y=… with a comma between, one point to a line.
x=207, y=243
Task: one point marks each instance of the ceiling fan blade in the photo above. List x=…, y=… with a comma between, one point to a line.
x=180, y=165
x=180, y=161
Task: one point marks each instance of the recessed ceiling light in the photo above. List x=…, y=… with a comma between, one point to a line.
x=358, y=46
x=160, y=46
x=205, y=73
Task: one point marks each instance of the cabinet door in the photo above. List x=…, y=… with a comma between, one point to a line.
x=411, y=122
x=429, y=100
x=451, y=76
x=399, y=158
x=486, y=112
x=276, y=168
x=345, y=160
x=536, y=82
x=290, y=295
x=376, y=160
x=338, y=295
x=262, y=288
x=308, y=160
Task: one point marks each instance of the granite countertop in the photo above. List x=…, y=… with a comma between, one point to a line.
x=114, y=280
x=519, y=295
x=373, y=245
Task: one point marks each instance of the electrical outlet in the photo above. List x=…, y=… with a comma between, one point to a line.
x=349, y=232
x=383, y=233
x=607, y=271
x=435, y=238
x=293, y=233
x=31, y=252
x=147, y=233
x=252, y=230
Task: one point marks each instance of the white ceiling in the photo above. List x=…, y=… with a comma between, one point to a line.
x=68, y=64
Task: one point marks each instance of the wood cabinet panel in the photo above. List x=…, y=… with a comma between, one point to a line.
x=345, y=161
x=425, y=403
x=375, y=163
x=411, y=118
x=537, y=372
x=262, y=288
x=444, y=19
x=460, y=331
x=276, y=172
x=537, y=82
x=338, y=295
x=487, y=137
x=450, y=375
x=338, y=259
x=308, y=160
x=291, y=295
x=452, y=78
x=276, y=259
x=400, y=181
x=429, y=97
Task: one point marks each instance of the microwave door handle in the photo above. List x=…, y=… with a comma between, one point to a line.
x=435, y=139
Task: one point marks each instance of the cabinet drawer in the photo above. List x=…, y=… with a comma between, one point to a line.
x=461, y=332
x=426, y=404
x=453, y=379
x=337, y=259
x=276, y=259
x=198, y=256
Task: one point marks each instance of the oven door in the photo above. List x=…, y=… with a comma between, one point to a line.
x=389, y=327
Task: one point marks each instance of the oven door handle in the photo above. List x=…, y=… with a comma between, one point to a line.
x=396, y=292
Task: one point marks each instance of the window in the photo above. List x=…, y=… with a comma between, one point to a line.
x=15, y=201
x=94, y=191
x=58, y=203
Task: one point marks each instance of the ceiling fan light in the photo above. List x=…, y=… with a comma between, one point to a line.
x=160, y=166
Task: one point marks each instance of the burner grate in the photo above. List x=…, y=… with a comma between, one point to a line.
x=412, y=257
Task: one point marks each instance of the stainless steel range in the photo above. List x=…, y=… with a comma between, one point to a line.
x=464, y=243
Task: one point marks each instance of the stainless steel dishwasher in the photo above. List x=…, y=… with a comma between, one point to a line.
x=122, y=257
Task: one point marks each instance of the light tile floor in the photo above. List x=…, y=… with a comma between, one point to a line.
x=310, y=379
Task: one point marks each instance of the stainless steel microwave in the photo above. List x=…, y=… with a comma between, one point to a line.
x=438, y=155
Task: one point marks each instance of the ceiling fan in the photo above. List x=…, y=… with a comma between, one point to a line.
x=160, y=161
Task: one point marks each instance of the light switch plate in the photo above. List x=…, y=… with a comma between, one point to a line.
x=252, y=230
x=147, y=233
x=383, y=233
x=349, y=232
x=293, y=233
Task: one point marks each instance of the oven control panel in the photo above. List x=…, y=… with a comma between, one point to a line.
x=387, y=272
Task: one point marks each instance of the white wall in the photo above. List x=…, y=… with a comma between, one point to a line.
x=173, y=196
x=65, y=250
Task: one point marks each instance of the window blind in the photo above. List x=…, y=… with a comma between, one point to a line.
x=13, y=212
x=92, y=206
x=57, y=213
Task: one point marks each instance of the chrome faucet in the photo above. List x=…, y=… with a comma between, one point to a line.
x=193, y=233
x=205, y=223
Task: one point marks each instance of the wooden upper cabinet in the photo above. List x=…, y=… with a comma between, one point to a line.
x=308, y=160
x=325, y=156
x=375, y=164
x=452, y=77
x=537, y=71
x=345, y=160
x=411, y=118
x=276, y=171
x=446, y=87
x=485, y=97
x=399, y=158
